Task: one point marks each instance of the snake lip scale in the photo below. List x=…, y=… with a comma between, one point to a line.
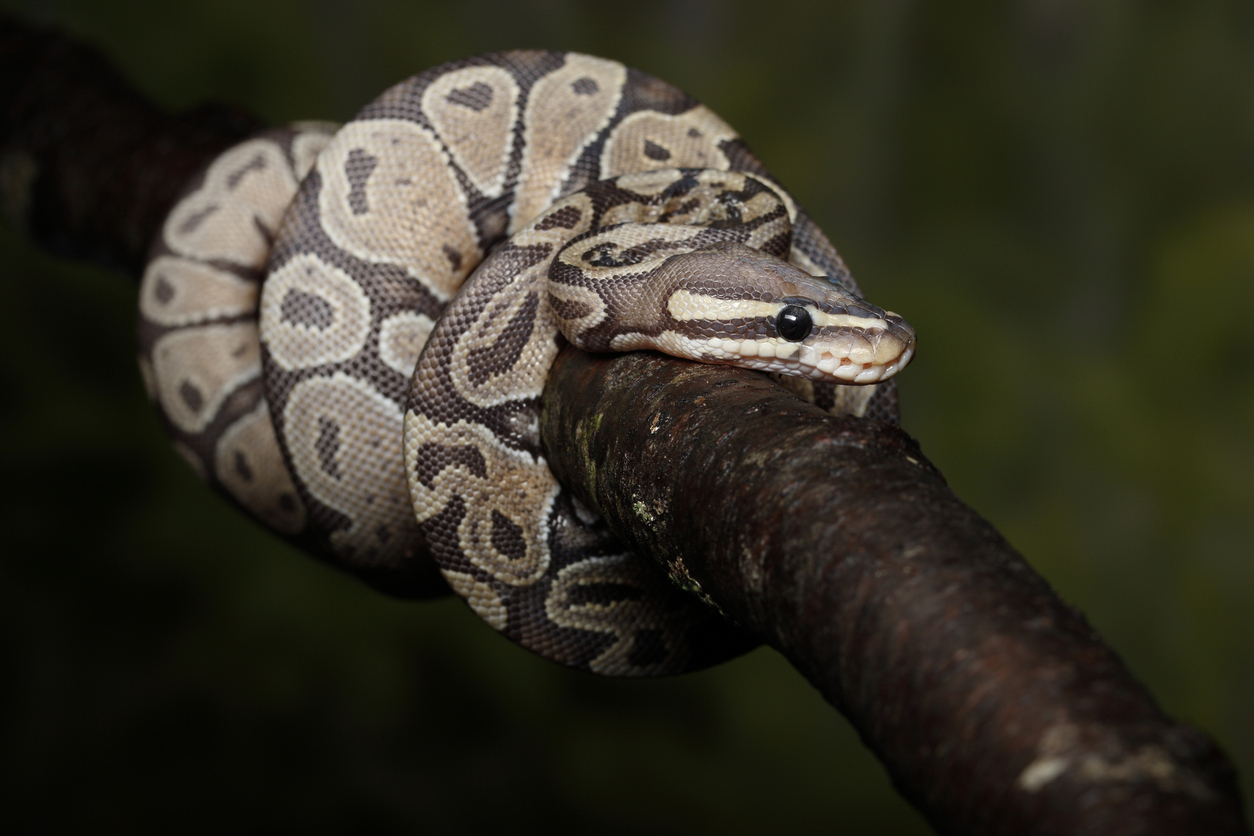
x=347, y=331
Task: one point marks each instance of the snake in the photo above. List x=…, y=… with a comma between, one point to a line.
x=346, y=331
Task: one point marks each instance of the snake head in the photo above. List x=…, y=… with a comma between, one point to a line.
x=736, y=305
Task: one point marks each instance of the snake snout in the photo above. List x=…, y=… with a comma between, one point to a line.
x=865, y=345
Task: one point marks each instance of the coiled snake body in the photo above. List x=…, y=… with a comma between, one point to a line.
x=286, y=307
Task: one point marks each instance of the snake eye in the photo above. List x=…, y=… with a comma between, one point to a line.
x=793, y=323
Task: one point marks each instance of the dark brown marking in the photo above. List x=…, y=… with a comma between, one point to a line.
x=584, y=86
x=778, y=245
x=191, y=396
x=383, y=533
x=507, y=537
x=477, y=96
x=358, y=168
x=197, y=218
x=287, y=502
x=682, y=209
x=327, y=445
x=434, y=458
x=569, y=309
x=257, y=163
x=656, y=152
x=164, y=291
x=241, y=467
x=694, y=133
x=453, y=256
x=607, y=254
x=300, y=308
x=564, y=218
x=502, y=354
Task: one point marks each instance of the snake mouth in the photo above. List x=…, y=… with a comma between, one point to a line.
x=816, y=365
x=842, y=354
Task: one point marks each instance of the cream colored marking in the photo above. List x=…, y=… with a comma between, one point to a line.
x=415, y=213
x=559, y=122
x=193, y=292
x=802, y=261
x=370, y=487
x=625, y=149
x=626, y=213
x=686, y=306
x=786, y=350
x=826, y=320
x=204, y=364
x=250, y=442
x=525, y=377
x=648, y=183
x=401, y=338
x=517, y=486
x=619, y=618
x=762, y=203
x=790, y=358
x=481, y=597
x=625, y=238
x=580, y=296
x=296, y=345
x=307, y=144
x=707, y=209
x=583, y=513
x=480, y=141
x=653, y=182
x=852, y=400
x=248, y=185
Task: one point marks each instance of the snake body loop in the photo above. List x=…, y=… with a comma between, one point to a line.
x=376, y=402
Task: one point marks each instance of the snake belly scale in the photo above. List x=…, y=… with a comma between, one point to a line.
x=369, y=403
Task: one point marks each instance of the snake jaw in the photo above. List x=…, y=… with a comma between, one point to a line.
x=845, y=353
x=884, y=355
x=860, y=354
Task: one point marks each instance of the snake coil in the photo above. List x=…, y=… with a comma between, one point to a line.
x=347, y=331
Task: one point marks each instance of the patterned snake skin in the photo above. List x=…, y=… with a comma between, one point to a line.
x=578, y=196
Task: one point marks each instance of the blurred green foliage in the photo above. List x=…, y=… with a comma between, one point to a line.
x=1058, y=194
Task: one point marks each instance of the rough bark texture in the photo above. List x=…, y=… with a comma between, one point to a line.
x=995, y=706
x=993, y=703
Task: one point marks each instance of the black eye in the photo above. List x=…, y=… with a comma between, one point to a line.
x=793, y=323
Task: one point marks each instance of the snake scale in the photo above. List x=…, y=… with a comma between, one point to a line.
x=347, y=331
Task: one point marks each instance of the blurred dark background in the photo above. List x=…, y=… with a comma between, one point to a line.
x=1058, y=194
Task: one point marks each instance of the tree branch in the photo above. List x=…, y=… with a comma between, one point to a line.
x=89, y=168
x=995, y=706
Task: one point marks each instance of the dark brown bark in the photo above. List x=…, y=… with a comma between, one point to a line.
x=995, y=706
x=89, y=167
x=993, y=703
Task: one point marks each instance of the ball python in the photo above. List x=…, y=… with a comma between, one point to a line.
x=347, y=331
